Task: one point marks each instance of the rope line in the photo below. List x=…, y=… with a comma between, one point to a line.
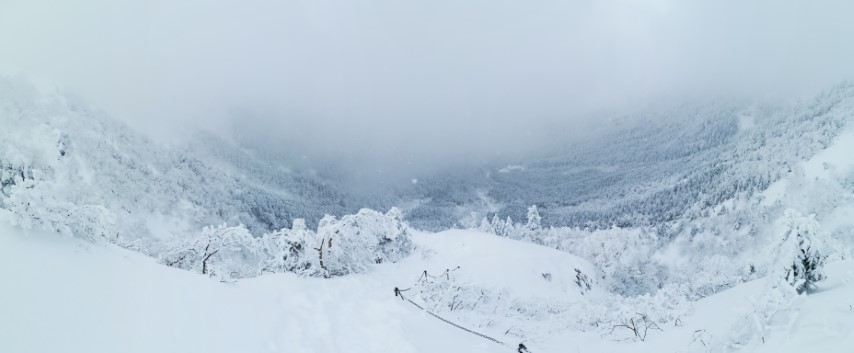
x=455, y=325
x=397, y=293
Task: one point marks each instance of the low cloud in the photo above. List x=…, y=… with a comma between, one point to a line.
x=415, y=81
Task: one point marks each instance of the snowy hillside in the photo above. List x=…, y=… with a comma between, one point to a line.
x=755, y=217
x=647, y=168
x=95, y=177
x=608, y=176
x=99, y=298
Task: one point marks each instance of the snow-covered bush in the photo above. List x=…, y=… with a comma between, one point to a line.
x=713, y=274
x=636, y=317
x=222, y=252
x=476, y=306
x=445, y=294
x=354, y=242
x=337, y=248
x=284, y=250
x=773, y=311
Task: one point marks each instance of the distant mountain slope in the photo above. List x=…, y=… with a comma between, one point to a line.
x=68, y=168
x=640, y=170
x=645, y=169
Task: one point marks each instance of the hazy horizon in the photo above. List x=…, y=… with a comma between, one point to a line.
x=438, y=81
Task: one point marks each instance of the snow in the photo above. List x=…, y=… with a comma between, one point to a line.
x=102, y=298
x=823, y=322
x=499, y=264
x=746, y=122
x=831, y=162
x=69, y=295
x=512, y=168
x=836, y=158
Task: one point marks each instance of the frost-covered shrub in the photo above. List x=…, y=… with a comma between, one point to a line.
x=222, y=252
x=449, y=297
x=773, y=311
x=352, y=243
x=623, y=256
x=713, y=274
x=445, y=294
x=336, y=248
x=636, y=317
x=339, y=246
x=284, y=250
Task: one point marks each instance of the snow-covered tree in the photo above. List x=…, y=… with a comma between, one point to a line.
x=801, y=251
x=532, y=230
x=498, y=226
x=394, y=237
x=486, y=226
x=509, y=227
x=351, y=244
x=534, y=219
x=222, y=251
x=285, y=250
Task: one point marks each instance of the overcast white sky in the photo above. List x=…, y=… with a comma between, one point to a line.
x=456, y=76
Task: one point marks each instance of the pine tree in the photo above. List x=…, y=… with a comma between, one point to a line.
x=498, y=226
x=534, y=219
x=801, y=247
x=509, y=227
x=486, y=227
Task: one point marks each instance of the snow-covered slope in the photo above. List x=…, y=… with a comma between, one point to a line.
x=698, y=279
x=742, y=318
x=69, y=295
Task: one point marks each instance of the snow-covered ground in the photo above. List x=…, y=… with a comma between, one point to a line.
x=820, y=322
x=69, y=295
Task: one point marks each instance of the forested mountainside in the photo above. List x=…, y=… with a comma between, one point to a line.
x=69, y=168
x=642, y=170
x=653, y=214
x=657, y=166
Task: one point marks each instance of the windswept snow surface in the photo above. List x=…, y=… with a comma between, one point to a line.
x=68, y=295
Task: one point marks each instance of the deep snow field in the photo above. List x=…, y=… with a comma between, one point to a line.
x=68, y=295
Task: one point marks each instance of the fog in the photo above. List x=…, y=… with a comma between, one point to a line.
x=415, y=81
